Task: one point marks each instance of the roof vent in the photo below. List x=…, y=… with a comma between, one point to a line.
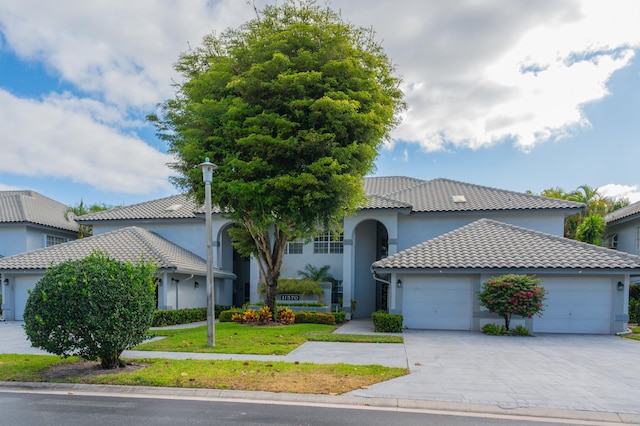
x=459, y=199
x=173, y=207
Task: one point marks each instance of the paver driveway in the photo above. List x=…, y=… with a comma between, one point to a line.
x=574, y=372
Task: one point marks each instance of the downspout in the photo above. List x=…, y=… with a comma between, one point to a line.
x=390, y=289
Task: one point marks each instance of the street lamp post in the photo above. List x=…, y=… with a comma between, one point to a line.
x=207, y=175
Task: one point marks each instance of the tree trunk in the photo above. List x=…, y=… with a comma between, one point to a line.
x=111, y=361
x=271, y=285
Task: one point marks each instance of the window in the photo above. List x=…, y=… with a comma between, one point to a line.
x=327, y=243
x=293, y=247
x=52, y=240
x=638, y=238
x=611, y=241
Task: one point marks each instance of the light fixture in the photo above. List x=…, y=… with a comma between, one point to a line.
x=6, y=281
x=207, y=176
x=196, y=284
x=399, y=283
x=620, y=286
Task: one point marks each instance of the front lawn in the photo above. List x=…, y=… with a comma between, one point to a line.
x=233, y=338
x=209, y=374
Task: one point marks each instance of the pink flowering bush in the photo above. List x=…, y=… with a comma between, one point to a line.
x=511, y=294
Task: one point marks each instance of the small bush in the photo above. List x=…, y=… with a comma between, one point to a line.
x=521, y=331
x=634, y=292
x=340, y=316
x=250, y=316
x=634, y=311
x=315, y=318
x=495, y=330
x=264, y=315
x=286, y=316
x=295, y=286
x=227, y=315
x=179, y=316
x=384, y=322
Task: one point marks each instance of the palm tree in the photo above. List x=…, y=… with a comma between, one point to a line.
x=320, y=274
x=589, y=196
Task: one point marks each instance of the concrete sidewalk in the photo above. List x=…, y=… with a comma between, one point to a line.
x=586, y=377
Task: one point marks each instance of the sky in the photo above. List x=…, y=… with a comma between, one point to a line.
x=522, y=95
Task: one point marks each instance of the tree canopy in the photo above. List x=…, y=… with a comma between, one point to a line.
x=589, y=226
x=292, y=106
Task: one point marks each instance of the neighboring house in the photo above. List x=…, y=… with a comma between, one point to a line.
x=623, y=229
x=30, y=221
x=401, y=214
x=181, y=273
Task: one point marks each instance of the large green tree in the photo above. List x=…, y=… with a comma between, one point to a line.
x=292, y=106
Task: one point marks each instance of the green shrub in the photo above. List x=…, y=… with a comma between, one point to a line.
x=295, y=286
x=521, y=331
x=494, y=330
x=227, y=315
x=94, y=308
x=634, y=311
x=340, y=316
x=179, y=316
x=634, y=292
x=315, y=318
x=384, y=322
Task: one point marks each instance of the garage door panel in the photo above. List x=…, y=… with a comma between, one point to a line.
x=442, y=304
x=576, y=305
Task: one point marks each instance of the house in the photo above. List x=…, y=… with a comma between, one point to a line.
x=29, y=221
x=434, y=284
x=181, y=274
x=401, y=215
x=623, y=229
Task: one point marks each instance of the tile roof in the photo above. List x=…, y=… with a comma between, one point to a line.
x=127, y=244
x=437, y=195
x=174, y=207
x=488, y=244
x=395, y=192
x=623, y=213
x=31, y=207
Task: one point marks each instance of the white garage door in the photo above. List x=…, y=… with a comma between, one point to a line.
x=576, y=305
x=443, y=303
x=22, y=286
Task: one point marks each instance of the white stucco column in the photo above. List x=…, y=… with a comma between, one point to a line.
x=162, y=291
x=347, y=276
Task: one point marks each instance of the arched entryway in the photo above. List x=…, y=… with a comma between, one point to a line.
x=371, y=243
x=231, y=260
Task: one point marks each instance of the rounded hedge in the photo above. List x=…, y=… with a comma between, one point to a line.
x=94, y=308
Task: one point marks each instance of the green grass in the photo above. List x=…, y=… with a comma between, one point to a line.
x=25, y=368
x=214, y=374
x=233, y=338
x=635, y=335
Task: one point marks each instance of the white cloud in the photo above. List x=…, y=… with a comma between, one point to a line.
x=4, y=187
x=614, y=191
x=477, y=73
x=43, y=138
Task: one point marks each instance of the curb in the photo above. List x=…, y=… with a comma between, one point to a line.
x=344, y=401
